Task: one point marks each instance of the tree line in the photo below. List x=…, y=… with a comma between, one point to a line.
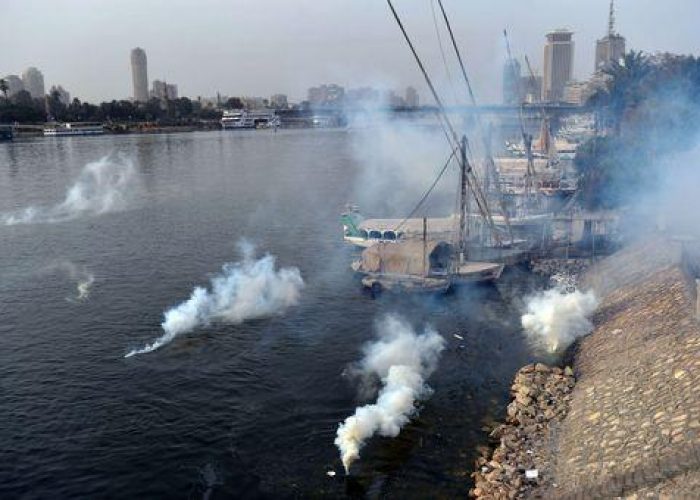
x=23, y=108
x=647, y=109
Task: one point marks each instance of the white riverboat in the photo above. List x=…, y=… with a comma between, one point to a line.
x=247, y=119
x=70, y=129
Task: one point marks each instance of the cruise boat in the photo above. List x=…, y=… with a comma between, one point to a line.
x=254, y=118
x=70, y=129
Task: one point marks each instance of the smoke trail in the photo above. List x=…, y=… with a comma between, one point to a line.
x=243, y=290
x=555, y=319
x=80, y=274
x=102, y=186
x=402, y=360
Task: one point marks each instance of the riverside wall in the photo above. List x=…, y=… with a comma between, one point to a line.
x=624, y=419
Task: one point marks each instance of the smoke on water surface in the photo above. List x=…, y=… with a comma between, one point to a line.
x=80, y=274
x=554, y=319
x=402, y=360
x=250, y=288
x=103, y=186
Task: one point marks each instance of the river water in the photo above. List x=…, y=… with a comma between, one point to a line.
x=244, y=411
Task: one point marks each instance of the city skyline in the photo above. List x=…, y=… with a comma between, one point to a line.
x=201, y=52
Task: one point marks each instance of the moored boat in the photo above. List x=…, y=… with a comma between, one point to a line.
x=419, y=266
x=249, y=119
x=71, y=129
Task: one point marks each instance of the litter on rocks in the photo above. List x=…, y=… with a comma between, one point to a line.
x=532, y=473
x=330, y=473
x=458, y=336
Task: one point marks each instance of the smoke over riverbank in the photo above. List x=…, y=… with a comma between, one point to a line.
x=555, y=319
x=102, y=186
x=402, y=360
x=243, y=290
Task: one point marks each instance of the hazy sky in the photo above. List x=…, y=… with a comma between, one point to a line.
x=262, y=47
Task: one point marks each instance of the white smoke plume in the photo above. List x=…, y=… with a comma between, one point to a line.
x=402, y=360
x=555, y=319
x=80, y=274
x=102, y=186
x=244, y=290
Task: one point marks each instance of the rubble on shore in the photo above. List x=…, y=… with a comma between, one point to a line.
x=517, y=464
x=562, y=273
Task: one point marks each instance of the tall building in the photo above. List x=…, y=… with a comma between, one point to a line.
x=14, y=84
x=255, y=102
x=33, y=82
x=610, y=48
x=171, y=91
x=393, y=100
x=63, y=94
x=163, y=90
x=411, y=99
x=512, y=93
x=158, y=90
x=279, y=101
x=576, y=92
x=139, y=74
x=331, y=95
x=558, y=64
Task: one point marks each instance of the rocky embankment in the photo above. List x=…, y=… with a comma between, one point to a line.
x=518, y=462
x=630, y=426
x=562, y=273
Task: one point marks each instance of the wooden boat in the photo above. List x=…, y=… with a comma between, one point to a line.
x=419, y=266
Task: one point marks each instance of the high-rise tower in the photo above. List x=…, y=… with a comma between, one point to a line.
x=33, y=82
x=139, y=73
x=610, y=48
x=558, y=64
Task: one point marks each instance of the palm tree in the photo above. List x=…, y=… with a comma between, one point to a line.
x=625, y=87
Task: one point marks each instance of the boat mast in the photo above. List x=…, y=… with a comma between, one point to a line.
x=463, y=229
x=491, y=171
x=425, y=244
x=527, y=139
x=551, y=152
x=451, y=135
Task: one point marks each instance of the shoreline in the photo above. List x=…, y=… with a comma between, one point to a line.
x=168, y=129
x=621, y=416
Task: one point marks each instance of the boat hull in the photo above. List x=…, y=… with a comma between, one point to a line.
x=70, y=134
x=477, y=272
x=404, y=283
x=467, y=273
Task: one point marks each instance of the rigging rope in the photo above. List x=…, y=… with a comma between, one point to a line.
x=427, y=193
x=474, y=184
x=491, y=166
x=459, y=56
x=442, y=52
